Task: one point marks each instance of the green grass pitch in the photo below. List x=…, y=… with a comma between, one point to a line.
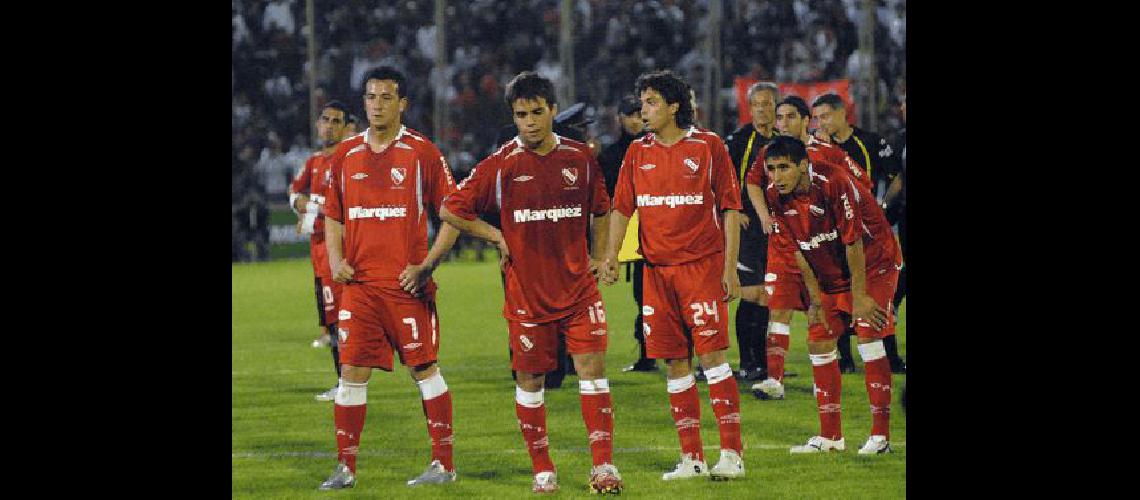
x=282, y=443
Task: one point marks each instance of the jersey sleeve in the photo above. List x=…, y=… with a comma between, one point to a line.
x=334, y=194
x=599, y=198
x=725, y=187
x=438, y=177
x=477, y=193
x=844, y=199
x=623, y=191
x=302, y=182
x=755, y=174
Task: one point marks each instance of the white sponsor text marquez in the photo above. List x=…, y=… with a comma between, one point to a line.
x=648, y=200
x=550, y=214
x=817, y=239
x=377, y=213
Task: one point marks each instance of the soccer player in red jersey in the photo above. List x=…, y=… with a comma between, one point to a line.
x=384, y=182
x=548, y=191
x=847, y=255
x=782, y=279
x=313, y=179
x=683, y=185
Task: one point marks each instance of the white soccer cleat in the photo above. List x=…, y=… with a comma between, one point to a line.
x=688, y=468
x=730, y=466
x=820, y=444
x=771, y=388
x=875, y=445
x=435, y=474
x=545, y=482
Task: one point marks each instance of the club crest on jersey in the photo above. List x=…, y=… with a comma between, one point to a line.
x=359, y=176
x=692, y=164
x=526, y=343
x=399, y=174
x=815, y=210
x=570, y=175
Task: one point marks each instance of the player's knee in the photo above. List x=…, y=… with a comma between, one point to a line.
x=530, y=382
x=821, y=346
x=781, y=316
x=872, y=350
x=423, y=371
x=355, y=374
x=678, y=368
x=714, y=358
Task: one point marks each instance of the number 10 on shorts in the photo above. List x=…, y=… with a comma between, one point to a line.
x=703, y=308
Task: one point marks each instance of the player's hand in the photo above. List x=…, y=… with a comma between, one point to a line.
x=866, y=309
x=301, y=203
x=504, y=252
x=300, y=222
x=609, y=271
x=814, y=314
x=598, y=269
x=765, y=222
x=731, y=284
x=744, y=220
x=414, y=278
x=343, y=272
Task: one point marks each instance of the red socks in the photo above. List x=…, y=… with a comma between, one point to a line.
x=825, y=368
x=437, y=409
x=532, y=421
x=348, y=415
x=597, y=412
x=778, y=341
x=725, y=399
x=686, y=410
x=878, y=381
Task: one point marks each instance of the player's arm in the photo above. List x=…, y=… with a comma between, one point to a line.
x=813, y=313
x=892, y=195
x=334, y=229
x=623, y=208
x=864, y=306
x=415, y=276
x=298, y=199
x=730, y=281
x=752, y=180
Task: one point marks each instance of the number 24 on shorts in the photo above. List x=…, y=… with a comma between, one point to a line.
x=703, y=308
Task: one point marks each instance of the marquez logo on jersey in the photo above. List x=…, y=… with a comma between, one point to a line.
x=377, y=213
x=817, y=239
x=523, y=178
x=645, y=200
x=399, y=174
x=570, y=175
x=648, y=166
x=550, y=214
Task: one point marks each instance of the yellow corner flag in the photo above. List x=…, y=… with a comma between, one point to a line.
x=629, y=246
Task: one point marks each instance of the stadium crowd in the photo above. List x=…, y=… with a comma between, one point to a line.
x=489, y=41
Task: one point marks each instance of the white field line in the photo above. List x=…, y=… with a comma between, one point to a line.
x=389, y=452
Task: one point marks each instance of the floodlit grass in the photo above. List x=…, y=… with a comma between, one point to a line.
x=282, y=443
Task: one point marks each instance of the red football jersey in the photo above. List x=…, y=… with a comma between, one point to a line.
x=544, y=204
x=818, y=152
x=383, y=199
x=314, y=179
x=832, y=214
x=679, y=192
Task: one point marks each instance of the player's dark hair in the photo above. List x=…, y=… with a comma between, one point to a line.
x=386, y=73
x=798, y=103
x=783, y=146
x=832, y=100
x=672, y=88
x=529, y=85
x=339, y=106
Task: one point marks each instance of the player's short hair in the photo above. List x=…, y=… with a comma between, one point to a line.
x=769, y=86
x=832, y=100
x=796, y=102
x=529, y=85
x=386, y=73
x=783, y=146
x=339, y=106
x=673, y=88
